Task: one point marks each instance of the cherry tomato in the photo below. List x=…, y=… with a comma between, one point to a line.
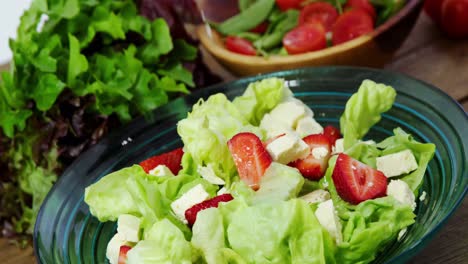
x=305, y=38
x=433, y=9
x=319, y=12
x=454, y=18
x=240, y=45
x=261, y=28
x=351, y=24
x=288, y=4
x=362, y=4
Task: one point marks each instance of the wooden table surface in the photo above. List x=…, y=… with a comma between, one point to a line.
x=428, y=56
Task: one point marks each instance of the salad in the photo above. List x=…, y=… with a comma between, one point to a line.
x=259, y=180
x=282, y=27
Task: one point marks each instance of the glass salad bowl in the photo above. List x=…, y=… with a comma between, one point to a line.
x=66, y=232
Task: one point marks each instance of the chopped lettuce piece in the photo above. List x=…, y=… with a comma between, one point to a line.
x=380, y=219
x=164, y=243
x=364, y=109
x=260, y=98
x=280, y=183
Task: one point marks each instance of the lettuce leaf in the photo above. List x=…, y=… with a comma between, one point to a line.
x=164, y=243
x=277, y=232
x=205, y=133
x=380, y=219
x=423, y=152
x=260, y=98
x=364, y=109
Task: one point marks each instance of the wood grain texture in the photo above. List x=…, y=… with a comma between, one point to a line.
x=429, y=56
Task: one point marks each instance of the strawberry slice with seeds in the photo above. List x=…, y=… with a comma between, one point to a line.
x=313, y=167
x=250, y=156
x=192, y=212
x=123, y=254
x=171, y=159
x=332, y=133
x=356, y=182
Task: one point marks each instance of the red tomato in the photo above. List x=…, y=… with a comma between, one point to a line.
x=351, y=24
x=433, y=9
x=454, y=18
x=305, y=38
x=319, y=12
x=261, y=28
x=240, y=45
x=288, y=4
x=364, y=5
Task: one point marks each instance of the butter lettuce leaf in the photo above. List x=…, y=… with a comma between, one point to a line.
x=163, y=243
x=261, y=97
x=364, y=109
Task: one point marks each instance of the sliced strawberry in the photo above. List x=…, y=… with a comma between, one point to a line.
x=250, y=156
x=171, y=159
x=123, y=254
x=313, y=166
x=356, y=182
x=332, y=133
x=191, y=213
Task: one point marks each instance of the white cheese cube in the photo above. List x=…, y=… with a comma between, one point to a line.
x=400, y=190
x=192, y=197
x=397, y=163
x=316, y=196
x=288, y=148
x=222, y=191
x=274, y=127
x=308, y=126
x=289, y=113
x=319, y=153
x=339, y=146
x=208, y=174
x=161, y=170
x=308, y=111
x=113, y=248
x=328, y=218
x=129, y=227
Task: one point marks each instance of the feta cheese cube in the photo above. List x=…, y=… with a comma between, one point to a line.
x=192, y=197
x=287, y=148
x=113, y=248
x=308, y=126
x=129, y=227
x=316, y=196
x=319, y=153
x=339, y=146
x=289, y=113
x=327, y=217
x=397, y=163
x=308, y=111
x=161, y=170
x=400, y=190
x=222, y=191
x=208, y=174
x=274, y=127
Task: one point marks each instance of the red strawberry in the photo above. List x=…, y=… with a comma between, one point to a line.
x=171, y=159
x=356, y=182
x=313, y=167
x=123, y=254
x=332, y=133
x=191, y=213
x=250, y=157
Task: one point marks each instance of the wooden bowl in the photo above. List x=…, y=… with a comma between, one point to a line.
x=371, y=50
